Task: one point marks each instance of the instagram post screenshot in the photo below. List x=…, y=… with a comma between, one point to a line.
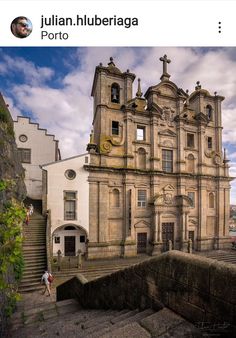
x=117, y=167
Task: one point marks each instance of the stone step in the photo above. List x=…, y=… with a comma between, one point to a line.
x=117, y=323
x=30, y=280
x=105, y=326
x=37, y=274
x=34, y=267
x=30, y=288
x=35, y=225
x=38, y=259
x=35, y=235
x=96, y=322
x=33, y=242
x=34, y=230
x=27, y=249
x=34, y=254
x=132, y=330
x=35, y=264
x=92, y=270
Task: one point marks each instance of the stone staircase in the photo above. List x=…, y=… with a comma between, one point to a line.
x=34, y=252
x=68, y=319
x=95, y=269
x=227, y=256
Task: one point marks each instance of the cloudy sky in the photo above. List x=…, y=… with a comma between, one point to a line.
x=53, y=85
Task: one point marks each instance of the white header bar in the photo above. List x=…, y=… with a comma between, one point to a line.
x=118, y=23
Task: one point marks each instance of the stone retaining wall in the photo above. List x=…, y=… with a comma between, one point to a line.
x=198, y=288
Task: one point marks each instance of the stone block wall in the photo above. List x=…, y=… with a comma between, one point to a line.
x=198, y=288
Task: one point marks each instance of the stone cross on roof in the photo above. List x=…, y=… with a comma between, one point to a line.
x=165, y=60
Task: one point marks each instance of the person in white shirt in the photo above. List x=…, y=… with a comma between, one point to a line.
x=46, y=282
x=31, y=209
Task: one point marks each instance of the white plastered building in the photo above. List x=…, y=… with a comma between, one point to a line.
x=35, y=147
x=66, y=195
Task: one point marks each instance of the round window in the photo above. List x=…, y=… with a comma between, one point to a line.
x=23, y=138
x=70, y=174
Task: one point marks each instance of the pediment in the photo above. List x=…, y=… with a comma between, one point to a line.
x=155, y=108
x=166, y=88
x=168, y=187
x=142, y=224
x=167, y=132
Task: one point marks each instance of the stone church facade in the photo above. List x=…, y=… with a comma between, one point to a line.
x=157, y=172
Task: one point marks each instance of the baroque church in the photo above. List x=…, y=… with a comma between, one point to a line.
x=154, y=174
x=157, y=172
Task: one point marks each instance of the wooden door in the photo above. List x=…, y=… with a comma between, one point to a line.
x=167, y=234
x=69, y=245
x=142, y=242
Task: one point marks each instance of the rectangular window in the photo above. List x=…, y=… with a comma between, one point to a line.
x=141, y=133
x=167, y=160
x=82, y=239
x=209, y=142
x=190, y=140
x=191, y=195
x=115, y=128
x=57, y=240
x=24, y=155
x=142, y=197
x=70, y=205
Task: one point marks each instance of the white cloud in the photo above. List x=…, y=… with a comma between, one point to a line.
x=32, y=74
x=67, y=112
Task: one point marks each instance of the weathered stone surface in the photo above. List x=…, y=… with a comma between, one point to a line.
x=184, y=329
x=10, y=166
x=133, y=330
x=161, y=322
x=158, y=286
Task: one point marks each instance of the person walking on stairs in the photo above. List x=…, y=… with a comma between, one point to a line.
x=46, y=282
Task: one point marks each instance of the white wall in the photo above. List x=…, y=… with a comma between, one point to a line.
x=43, y=150
x=60, y=246
x=57, y=183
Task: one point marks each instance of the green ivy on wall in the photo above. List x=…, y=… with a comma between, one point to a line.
x=11, y=256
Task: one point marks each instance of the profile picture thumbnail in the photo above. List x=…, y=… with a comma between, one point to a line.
x=21, y=27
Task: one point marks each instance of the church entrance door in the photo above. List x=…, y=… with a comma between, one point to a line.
x=141, y=242
x=167, y=234
x=69, y=245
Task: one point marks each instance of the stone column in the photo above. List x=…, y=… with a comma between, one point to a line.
x=180, y=160
x=129, y=241
x=103, y=210
x=202, y=209
x=155, y=156
x=186, y=226
x=157, y=244
x=183, y=227
x=93, y=211
x=129, y=140
x=201, y=148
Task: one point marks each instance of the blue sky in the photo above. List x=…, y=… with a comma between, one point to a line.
x=53, y=85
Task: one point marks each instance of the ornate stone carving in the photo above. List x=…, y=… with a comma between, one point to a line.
x=217, y=159
x=167, y=116
x=105, y=147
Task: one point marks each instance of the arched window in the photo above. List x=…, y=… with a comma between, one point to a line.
x=190, y=164
x=209, y=112
x=115, y=198
x=69, y=227
x=211, y=200
x=115, y=93
x=141, y=158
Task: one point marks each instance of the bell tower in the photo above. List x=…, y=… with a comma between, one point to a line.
x=111, y=90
